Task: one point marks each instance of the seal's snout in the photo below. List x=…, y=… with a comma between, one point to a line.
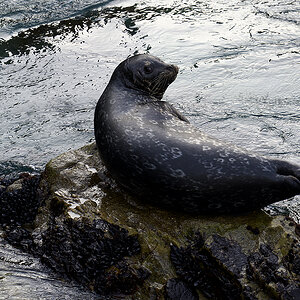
x=171, y=73
x=173, y=69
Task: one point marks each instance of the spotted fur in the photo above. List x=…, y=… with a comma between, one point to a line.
x=154, y=153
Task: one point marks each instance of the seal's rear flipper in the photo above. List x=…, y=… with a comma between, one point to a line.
x=290, y=173
x=286, y=168
x=291, y=183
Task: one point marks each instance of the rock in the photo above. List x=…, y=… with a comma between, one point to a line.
x=179, y=290
x=18, y=199
x=16, y=186
x=91, y=232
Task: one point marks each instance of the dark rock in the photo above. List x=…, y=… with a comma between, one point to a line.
x=179, y=290
x=199, y=267
x=20, y=238
x=297, y=229
x=19, y=200
x=229, y=253
x=253, y=230
x=92, y=253
x=272, y=274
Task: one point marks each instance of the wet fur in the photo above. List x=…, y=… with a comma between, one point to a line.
x=155, y=154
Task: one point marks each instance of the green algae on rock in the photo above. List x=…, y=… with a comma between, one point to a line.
x=93, y=233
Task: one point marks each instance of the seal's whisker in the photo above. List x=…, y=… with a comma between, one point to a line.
x=159, y=82
x=161, y=85
x=154, y=87
x=157, y=87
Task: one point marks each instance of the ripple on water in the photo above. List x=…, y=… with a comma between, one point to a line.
x=22, y=14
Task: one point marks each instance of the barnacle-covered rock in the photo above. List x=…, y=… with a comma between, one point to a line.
x=90, y=231
x=19, y=201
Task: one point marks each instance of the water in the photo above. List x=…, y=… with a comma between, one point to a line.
x=23, y=277
x=238, y=81
x=22, y=14
x=239, y=64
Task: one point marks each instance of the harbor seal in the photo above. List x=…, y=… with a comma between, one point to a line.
x=155, y=154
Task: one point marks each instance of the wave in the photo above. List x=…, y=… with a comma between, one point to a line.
x=24, y=14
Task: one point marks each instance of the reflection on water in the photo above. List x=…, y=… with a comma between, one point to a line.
x=22, y=14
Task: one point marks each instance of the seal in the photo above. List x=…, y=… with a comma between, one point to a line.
x=155, y=154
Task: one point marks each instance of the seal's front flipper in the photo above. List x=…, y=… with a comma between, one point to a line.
x=169, y=107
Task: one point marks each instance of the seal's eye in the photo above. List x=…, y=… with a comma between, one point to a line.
x=148, y=69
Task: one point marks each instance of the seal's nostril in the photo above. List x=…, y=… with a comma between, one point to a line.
x=173, y=68
x=176, y=68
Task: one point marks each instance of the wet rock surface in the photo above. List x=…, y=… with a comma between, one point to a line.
x=19, y=201
x=88, y=231
x=93, y=253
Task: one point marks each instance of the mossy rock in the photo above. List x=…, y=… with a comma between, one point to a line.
x=157, y=254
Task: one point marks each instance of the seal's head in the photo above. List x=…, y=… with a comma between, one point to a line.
x=148, y=74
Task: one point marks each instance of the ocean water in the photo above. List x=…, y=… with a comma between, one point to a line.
x=239, y=71
x=23, y=277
